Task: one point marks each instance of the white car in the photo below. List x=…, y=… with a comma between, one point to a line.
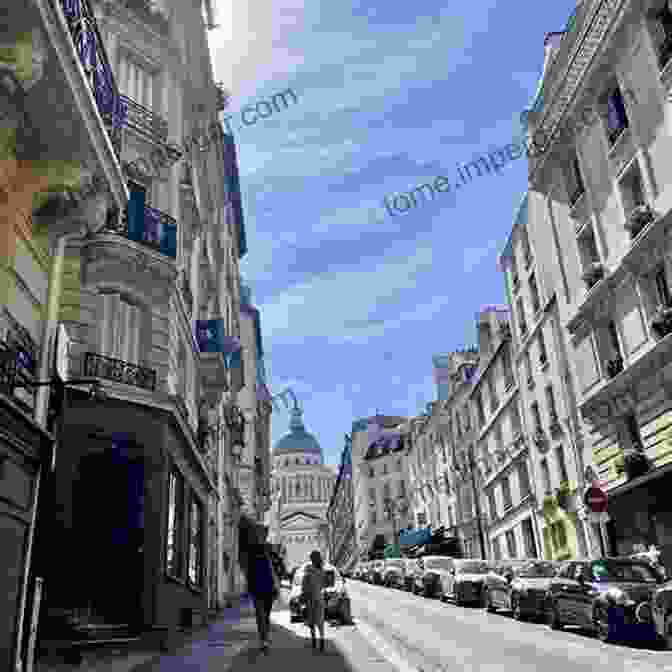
x=337, y=600
x=464, y=582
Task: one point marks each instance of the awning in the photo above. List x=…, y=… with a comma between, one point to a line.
x=415, y=537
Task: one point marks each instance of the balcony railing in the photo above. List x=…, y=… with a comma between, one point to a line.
x=153, y=233
x=91, y=51
x=99, y=366
x=145, y=121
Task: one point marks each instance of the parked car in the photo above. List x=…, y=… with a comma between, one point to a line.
x=464, y=582
x=520, y=586
x=610, y=596
x=435, y=569
x=337, y=600
x=393, y=573
x=411, y=567
x=375, y=573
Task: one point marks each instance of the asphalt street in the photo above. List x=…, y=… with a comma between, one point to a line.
x=416, y=634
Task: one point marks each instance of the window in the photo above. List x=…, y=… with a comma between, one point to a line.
x=497, y=548
x=422, y=519
x=562, y=465
x=614, y=349
x=662, y=35
x=514, y=414
x=521, y=316
x=633, y=429
x=372, y=497
x=575, y=186
x=523, y=480
x=545, y=476
x=136, y=82
x=536, y=415
x=534, y=291
x=506, y=493
x=632, y=188
x=511, y=544
x=528, y=368
x=467, y=418
x=550, y=403
x=617, y=119
x=543, y=353
x=121, y=328
x=662, y=288
x=402, y=489
x=493, y=504
x=507, y=367
x=527, y=250
x=372, y=517
x=479, y=408
x=499, y=440
x=398, y=465
x=528, y=538
x=174, y=534
x=458, y=424
x=386, y=491
x=372, y=473
x=494, y=401
x=385, y=469
x=196, y=543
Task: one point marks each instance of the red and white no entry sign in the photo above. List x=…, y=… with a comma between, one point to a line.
x=595, y=499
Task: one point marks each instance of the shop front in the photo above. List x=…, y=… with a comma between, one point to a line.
x=641, y=515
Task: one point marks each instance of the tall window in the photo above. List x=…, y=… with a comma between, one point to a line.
x=523, y=479
x=633, y=429
x=575, y=187
x=516, y=427
x=196, y=543
x=507, y=366
x=479, y=408
x=550, y=402
x=545, y=476
x=372, y=497
x=121, y=328
x=402, y=489
x=497, y=548
x=521, y=316
x=543, y=353
x=398, y=464
x=493, y=504
x=136, y=82
x=534, y=291
x=175, y=524
x=615, y=344
x=372, y=473
x=662, y=32
x=506, y=493
x=562, y=465
x=662, y=288
x=528, y=367
x=617, y=119
x=527, y=250
x=528, y=538
x=386, y=491
x=536, y=415
x=494, y=401
x=384, y=468
x=511, y=544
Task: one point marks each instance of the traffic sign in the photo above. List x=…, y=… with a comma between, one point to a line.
x=595, y=499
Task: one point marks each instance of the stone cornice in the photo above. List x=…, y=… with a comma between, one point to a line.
x=560, y=93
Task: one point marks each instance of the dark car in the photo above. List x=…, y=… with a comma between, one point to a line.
x=521, y=588
x=465, y=582
x=393, y=573
x=610, y=596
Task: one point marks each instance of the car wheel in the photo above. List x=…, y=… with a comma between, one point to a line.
x=604, y=627
x=554, y=618
x=515, y=608
x=488, y=603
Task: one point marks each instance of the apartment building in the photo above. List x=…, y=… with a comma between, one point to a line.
x=463, y=508
x=341, y=514
x=502, y=454
x=601, y=197
x=379, y=471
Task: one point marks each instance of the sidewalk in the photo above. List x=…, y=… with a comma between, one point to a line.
x=231, y=645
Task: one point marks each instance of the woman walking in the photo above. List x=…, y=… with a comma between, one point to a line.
x=262, y=584
x=312, y=590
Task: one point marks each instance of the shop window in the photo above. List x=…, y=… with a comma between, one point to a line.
x=511, y=544
x=174, y=534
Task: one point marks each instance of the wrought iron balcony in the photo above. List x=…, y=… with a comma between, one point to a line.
x=91, y=51
x=99, y=366
x=156, y=223
x=145, y=121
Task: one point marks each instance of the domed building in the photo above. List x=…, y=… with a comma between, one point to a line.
x=301, y=486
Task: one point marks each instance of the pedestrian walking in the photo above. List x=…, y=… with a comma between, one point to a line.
x=312, y=592
x=262, y=584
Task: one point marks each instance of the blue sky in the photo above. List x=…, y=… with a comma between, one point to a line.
x=353, y=302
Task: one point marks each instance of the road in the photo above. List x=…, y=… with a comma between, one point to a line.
x=395, y=630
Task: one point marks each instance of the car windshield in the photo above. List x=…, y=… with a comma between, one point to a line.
x=611, y=570
x=438, y=563
x=544, y=570
x=473, y=567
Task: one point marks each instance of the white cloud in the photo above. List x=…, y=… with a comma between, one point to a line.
x=320, y=307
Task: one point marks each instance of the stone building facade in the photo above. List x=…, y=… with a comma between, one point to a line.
x=341, y=514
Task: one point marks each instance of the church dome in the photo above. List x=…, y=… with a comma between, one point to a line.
x=298, y=440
